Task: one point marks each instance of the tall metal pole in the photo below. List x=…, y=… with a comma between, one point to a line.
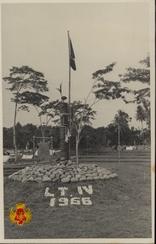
x=69, y=97
x=118, y=142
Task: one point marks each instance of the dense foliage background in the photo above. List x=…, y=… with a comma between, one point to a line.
x=91, y=137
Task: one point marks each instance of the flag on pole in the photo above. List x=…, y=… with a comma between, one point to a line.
x=68, y=135
x=71, y=55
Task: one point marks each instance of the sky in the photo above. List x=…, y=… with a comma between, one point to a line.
x=35, y=34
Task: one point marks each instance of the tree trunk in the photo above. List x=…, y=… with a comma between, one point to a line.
x=119, y=142
x=41, y=125
x=143, y=139
x=77, y=150
x=14, y=132
x=142, y=125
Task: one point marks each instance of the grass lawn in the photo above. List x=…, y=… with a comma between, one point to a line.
x=121, y=207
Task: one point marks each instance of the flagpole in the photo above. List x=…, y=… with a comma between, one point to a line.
x=69, y=98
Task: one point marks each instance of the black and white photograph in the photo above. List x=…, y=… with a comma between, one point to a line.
x=77, y=115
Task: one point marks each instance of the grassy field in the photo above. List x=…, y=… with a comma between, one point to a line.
x=120, y=209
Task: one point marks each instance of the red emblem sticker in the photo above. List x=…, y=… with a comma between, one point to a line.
x=20, y=215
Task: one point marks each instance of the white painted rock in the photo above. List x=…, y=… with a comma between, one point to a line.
x=74, y=179
x=65, y=180
x=46, y=178
x=62, y=172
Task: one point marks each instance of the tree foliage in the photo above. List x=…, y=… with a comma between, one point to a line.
x=26, y=77
x=105, y=70
x=82, y=114
x=141, y=96
x=122, y=119
x=92, y=139
x=120, y=122
x=107, y=89
x=27, y=87
x=138, y=74
x=110, y=90
x=52, y=111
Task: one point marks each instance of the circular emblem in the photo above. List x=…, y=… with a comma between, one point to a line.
x=20, y=214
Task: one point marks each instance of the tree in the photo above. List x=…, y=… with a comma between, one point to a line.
x=141, y=96
x=7, y=138
x=51, y=110
x=89, y=138
x=27, y=131
x=122, y=119
x=109, y=90
x=106, y=89
x=82, y=114
x=121, y=123
x=27, y=86
x=141, y=115
x=118, y=131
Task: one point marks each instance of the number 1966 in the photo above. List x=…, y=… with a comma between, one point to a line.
x=64, y=201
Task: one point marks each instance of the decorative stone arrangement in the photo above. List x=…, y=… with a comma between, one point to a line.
x=62, y=172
